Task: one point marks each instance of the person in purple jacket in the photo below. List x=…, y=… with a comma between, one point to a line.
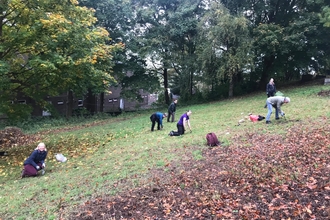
x=182, y=124
x=35, y=162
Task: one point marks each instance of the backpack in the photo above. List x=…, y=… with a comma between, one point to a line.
x=212, y=140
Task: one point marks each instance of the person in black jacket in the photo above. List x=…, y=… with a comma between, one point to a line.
x=35, y=162
x=171, y=110
x=270, y=89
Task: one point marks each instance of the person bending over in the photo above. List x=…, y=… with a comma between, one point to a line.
x=157, y=117
x=276, y=102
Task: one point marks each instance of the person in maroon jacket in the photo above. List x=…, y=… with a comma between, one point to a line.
x=35, y=162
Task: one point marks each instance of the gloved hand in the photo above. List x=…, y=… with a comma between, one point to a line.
x=37, y=167
x=43, y=165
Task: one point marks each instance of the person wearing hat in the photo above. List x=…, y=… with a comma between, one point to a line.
x=35, y=162
x=157, y=117
x=276, y=102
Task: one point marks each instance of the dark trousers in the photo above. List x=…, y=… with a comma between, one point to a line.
x=169, y=115
x=30, y=170
x=270, y=94
x=180, y=130
x=154, y=119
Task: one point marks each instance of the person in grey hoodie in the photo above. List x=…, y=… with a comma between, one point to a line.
x=276, y=102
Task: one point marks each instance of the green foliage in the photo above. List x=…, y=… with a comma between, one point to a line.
x=16, y=112
x=325, y=16
x=52, y=50
x=117, y=17
x=194, y=47
x=230, y=45
x=287, y=37
x=168, y=40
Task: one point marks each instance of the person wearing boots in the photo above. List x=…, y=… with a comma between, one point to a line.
x=171, y=110
x=35, y=162
x=276, y=102
x=157, y=117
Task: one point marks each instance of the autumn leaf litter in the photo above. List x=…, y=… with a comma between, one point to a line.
x=259, y=176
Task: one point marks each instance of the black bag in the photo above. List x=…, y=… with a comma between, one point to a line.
x=260, y=117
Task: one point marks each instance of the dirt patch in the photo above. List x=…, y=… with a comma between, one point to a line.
x=325, y=93
x=260, y=176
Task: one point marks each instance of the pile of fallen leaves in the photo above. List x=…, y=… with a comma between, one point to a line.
x=260, y=176
x=12, y=137
x=324, y=93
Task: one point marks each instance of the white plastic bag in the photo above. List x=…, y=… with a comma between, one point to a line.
x=60, y=158
x=278, y=93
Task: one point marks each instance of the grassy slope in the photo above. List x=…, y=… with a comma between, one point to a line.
x=100, y=156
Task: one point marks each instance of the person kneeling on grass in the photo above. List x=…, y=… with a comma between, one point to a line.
x=35, y=162
x=276, y=102
x=182, y=124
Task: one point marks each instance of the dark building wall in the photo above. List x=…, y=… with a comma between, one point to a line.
x=111, y=102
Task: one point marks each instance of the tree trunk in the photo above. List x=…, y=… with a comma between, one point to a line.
x=167, y=98
x=69, y=104
x=191, y=84
x=101, y=101
x=231, y=87
x=91, y=102
x=268, y=63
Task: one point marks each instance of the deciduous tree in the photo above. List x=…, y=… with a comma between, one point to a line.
x=227, y=45
x=49, y=47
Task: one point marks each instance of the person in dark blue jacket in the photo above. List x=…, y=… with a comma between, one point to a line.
x=157, y=117
x=35, y=162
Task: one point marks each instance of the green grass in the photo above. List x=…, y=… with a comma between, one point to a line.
x=123, y=148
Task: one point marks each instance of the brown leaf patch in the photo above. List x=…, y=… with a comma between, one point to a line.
x=260, y=176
